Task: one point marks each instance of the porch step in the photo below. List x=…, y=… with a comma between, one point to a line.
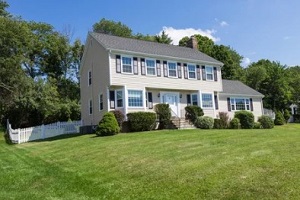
x=182, y=123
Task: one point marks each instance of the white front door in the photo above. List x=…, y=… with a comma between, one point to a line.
x=172, y=100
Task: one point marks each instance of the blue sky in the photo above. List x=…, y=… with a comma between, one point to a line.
x=256, y=29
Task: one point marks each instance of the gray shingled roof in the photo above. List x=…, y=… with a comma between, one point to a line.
x=151, y=48
x=238, y=88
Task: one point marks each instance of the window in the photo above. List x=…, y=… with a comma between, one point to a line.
x=119, y=98
x=209, y=73
x=101, y=102
x=240, y=103
x=90, y=78
x=127, y=65
x=90, y=107
x=135, y=98
x=150, y=66
x=194, y=99
x=172, y=69
x=207, y=100
x=191, y=71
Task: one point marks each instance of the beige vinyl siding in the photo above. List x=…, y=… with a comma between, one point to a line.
x=162, y=82
x=95, y=60
x=257, y=106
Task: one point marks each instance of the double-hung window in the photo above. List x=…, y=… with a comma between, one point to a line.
x=194, y=99
x=150, y=66
x=135, y=98
x=240, y=103
x=90, y=78
x=209, y=73
x=90, y=107
x=191, y=71
x=127, y=65
x=119, y=94
x=172, y=69
x=207, y=100
x=100, y=101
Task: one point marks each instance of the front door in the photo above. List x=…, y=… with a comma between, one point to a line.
x=172, y=100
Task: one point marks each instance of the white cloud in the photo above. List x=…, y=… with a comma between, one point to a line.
x=223, y=23
x=178, y=34
x=245, y=62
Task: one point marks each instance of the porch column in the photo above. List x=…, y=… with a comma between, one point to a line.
x=144, y=99
x=125, y=93
x=199, y=98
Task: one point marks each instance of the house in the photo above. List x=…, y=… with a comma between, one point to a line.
x=133, y=75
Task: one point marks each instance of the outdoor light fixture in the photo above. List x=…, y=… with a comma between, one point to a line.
x=158, y=95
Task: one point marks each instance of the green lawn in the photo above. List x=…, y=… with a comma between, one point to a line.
x=184, y=164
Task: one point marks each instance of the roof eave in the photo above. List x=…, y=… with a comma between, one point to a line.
x=249, y=95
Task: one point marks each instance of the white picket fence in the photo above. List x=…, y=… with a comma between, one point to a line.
x=42, y=132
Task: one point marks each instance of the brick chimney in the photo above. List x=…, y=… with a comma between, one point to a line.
x=192, y=43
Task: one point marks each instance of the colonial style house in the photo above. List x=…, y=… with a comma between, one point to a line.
x=134, y=75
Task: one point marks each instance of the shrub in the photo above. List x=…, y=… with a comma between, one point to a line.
x=286, y=115
x=296, y=118
x=224, y=119
x=246, y=119
x=279, y=120
x=204, y=122
x=217, y=124
x=119, y=116
x=164, y=114
x=193, y=112
x=235, y=123
x=108, y=125
x=141, y=121
x=266, y=122
x=257, y=125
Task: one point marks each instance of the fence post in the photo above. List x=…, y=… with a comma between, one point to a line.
x=19, y=136
x=43, y=131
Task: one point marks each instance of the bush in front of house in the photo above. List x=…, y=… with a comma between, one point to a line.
x=257, y=125
x=163, y=112
x=279, y=119
x=234, y=123
x=224, y=123
x=108, y=125
x=204, y=122
x=141, y=121
x=246, y=119
x=193, y=112
x=119, y=117
x=286, y=115
x=266, y=122
x=217, y=124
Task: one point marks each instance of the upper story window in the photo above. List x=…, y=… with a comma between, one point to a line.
x=172, y=69
x=127, y=65
x=207, y=100
x=191, y=71
x=90, y=78
x=240, y=103
x=135, y=98
x=209, y=73
x=150, y=66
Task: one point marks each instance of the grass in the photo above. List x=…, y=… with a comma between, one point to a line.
x=185, y=164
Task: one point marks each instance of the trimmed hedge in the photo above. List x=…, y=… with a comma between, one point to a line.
x=279, y=119
x=246, y=119
x=266, y=122
x=234, y=123
x=193, y=112
x=141, y=121
x=108, y=125
x=218, y=124
x=204, y=122
x=164, y=114
x=224, y=119
x=119, y=117
x=257, y=125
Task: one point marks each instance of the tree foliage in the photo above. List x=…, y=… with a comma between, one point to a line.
x=112, y=28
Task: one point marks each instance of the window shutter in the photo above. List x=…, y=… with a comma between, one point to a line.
x=135, y=66
x=215, y=74
x=179, y=69
x=158, y=70
x=188, y=99
x=198, y=72
x=143, y=70
x=185, y=71
x=112, y=99
x=118, y=63
x=216, y=103
x=165, y=69
x=150, y=101
x=228, y=104
x=251, y=104
x=203, y=73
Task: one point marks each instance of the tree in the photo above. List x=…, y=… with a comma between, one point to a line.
x=293, y=77
x=256, y=73
x=163, y=38
x=3, y=7
x=183, y=42
x=112, y=28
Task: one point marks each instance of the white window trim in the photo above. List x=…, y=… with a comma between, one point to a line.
x=213, y=77
x=100, y=102
x=175, y=69
x=155, y=73
x=116, y=98
x=212, y=99
x=244, y=103
x=143, y=98
x=126, y=56
x=188, y=71
x=89, y=77
x=90, y=104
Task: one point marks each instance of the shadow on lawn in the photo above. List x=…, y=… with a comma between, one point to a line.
x=59, y=137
